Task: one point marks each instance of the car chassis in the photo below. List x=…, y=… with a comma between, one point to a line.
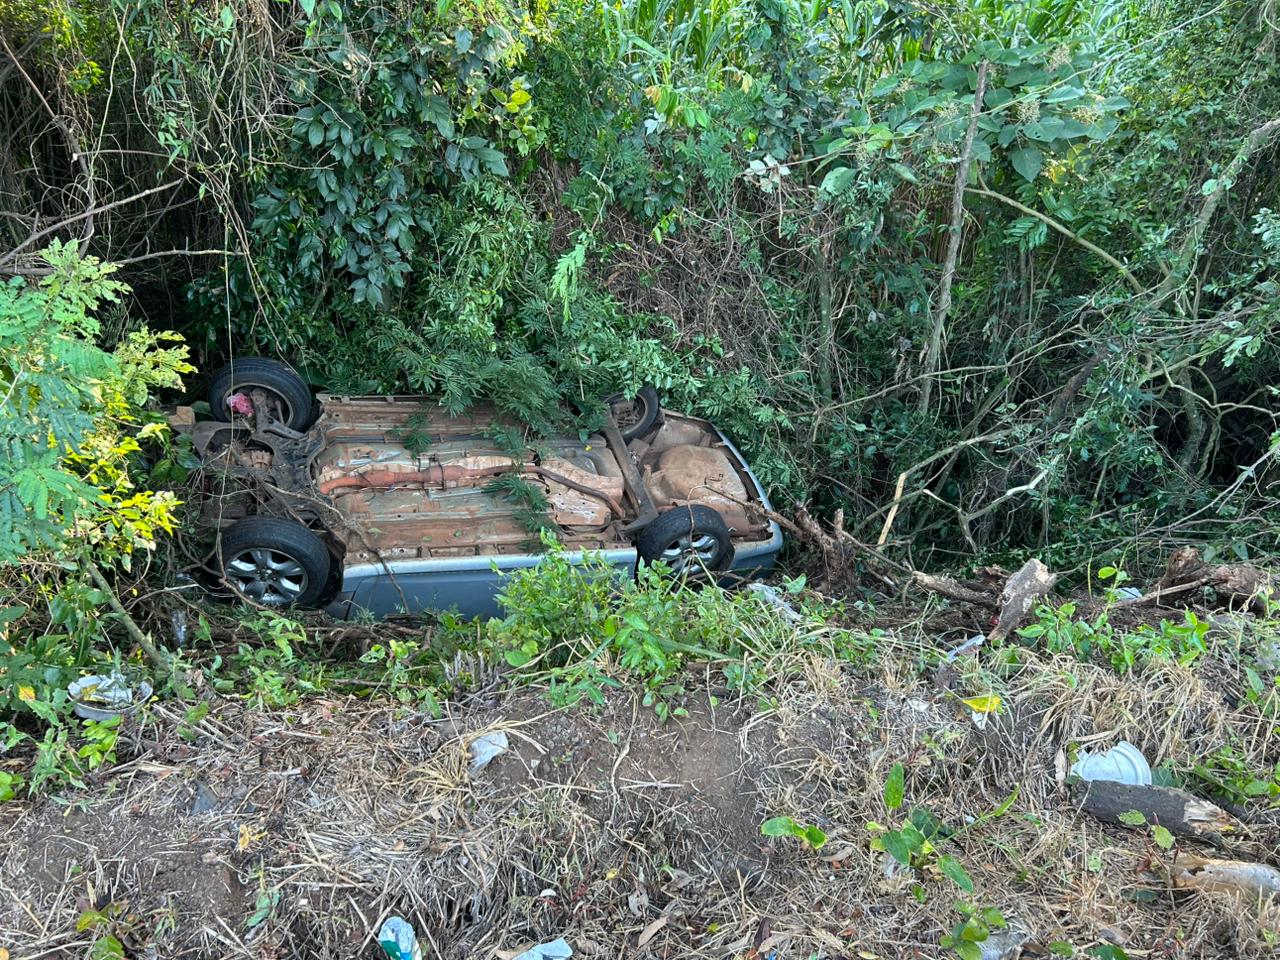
x=383, y=504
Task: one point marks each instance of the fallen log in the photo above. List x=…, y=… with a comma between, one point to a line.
x=952, y=590
x=1019, y=594
x=1181, y=813
x=1240, y=586
x=1254, y=882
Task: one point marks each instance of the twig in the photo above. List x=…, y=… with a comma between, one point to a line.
x=92, y=211
x=179, y=253
x=893, y=510
x=949, y=588
x=130, y=624
x=1224, y=181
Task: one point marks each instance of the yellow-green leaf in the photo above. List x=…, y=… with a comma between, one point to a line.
x=988, y=704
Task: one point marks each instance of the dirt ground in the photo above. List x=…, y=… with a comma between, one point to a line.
x=295, y=833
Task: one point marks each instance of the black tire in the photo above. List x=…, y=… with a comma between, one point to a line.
x=635, y=415
x=297, y=404
x=688, y=539
x=278, y=563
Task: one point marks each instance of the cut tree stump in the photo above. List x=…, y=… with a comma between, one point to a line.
x=1020, y=592
x=1028, y=584
x=1181, y=813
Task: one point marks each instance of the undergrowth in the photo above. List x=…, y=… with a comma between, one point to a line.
x=580, y=627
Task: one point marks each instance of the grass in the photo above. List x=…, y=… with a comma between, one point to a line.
x=683, y=763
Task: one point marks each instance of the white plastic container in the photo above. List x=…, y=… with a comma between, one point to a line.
x=1123, y=763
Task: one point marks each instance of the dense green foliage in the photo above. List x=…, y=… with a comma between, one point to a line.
x=748, y=204
x=581, y=629
x=72, y=415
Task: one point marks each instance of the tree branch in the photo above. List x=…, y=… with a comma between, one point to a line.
x=934, y=349
x=1049, y=221
x=81, y=216
x=130, y=624
x=1222, y=186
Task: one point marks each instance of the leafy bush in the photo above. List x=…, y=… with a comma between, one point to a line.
x=71, y=422
x=579, y=625
x=1061, y=631
x=72, y=414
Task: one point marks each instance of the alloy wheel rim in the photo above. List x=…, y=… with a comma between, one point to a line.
x=691, y=550
x=268, y=576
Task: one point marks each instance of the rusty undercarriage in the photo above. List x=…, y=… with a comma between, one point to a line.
x=387, y=481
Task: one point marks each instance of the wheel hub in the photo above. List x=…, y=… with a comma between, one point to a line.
x=269, y=576
x=691, y=551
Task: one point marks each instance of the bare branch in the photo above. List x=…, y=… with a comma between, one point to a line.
x=934, y=350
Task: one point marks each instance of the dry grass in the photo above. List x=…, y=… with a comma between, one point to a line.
x=609, y=827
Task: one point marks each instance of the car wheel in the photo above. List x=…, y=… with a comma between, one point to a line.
x=230, y=389
x=278, y=563
x=688, y=540
x=635, y=416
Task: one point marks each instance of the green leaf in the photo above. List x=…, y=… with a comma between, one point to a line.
x=897, y=847
x=952, y=870
x=968, y=950
x=1132, y=818
x=1063, y=94
x=517, y=658
x=1162, y=837
x=780, y=827
x=885, y=86
x=895, y=787
x=1060, y=948
x=915, y=840
x=837, y=180
x=1006, y=804
x=1107, y=951
x=814, y=837
x=1048, y=127
x=905, y=172
x=308, y=6
x=107, y=948
x=1028, y=161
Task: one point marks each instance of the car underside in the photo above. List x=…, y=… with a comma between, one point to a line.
x=395, y=485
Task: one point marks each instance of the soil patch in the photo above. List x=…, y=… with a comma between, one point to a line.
x=295, y=833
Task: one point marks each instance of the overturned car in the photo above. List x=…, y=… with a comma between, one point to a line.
x=382, y=504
